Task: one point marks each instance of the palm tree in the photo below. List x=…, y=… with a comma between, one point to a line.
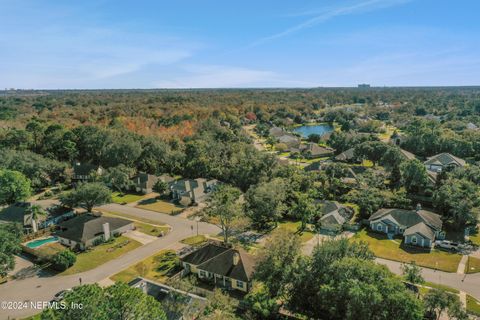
x=35, y=211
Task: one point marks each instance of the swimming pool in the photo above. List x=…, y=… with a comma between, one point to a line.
x=40, y=242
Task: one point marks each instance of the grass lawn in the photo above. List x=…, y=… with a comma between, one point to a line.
x=101, y=254
x=195, y=240
x=475, y=237
x=48, y=250
x=117, y=197
x=161, y=206
x=157, y=267
x=473, y=265
x=152, y=230
x=382, y=247
x=441, y=286
x=473, y=305
x=293, y=226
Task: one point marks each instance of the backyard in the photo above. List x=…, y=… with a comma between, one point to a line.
x=159, y=205
x=293, y=227
x=101, y=254
x=382, y=247
x=157, y=267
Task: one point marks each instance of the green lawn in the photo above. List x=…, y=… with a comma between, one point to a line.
x=475, y=237
x=147, y=226
x=48, y=250
x=117, y=197
x=382, y=247
x=101, y=254
x=157, y=267
x=161, y=206
x=195, y=240
x=293, y=226
x=473, y=265
x=473, y=305
x=441, y=286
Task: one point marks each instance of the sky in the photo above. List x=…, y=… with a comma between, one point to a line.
x=105, y=44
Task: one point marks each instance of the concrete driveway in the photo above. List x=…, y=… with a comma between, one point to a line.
x=44, y=286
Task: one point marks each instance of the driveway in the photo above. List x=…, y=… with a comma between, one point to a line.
x=44, y=286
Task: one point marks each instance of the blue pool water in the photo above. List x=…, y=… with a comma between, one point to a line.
x=319, y=129
x=37, y=243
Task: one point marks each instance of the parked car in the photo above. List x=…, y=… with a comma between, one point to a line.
x=60, y=295
x=446, y=244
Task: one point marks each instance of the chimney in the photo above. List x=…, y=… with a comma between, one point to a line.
x=187, y=185
x=419, y=207
x=236, y=258
x=106, y=231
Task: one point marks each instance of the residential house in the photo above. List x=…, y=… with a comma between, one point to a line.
x=291, y=141
x=276, y=132
x=192, y=191
x=346, y=156
x=407, y=155
x=442, y=161
x=87, y=230
x=418, y=227
x=225, y=267
x=334, y=216
x=82, y=172
x=313, y=150
x=177, y=304
x=144, y=182
x=397, y=138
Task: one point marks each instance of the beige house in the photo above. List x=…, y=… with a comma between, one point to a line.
x=225, y=267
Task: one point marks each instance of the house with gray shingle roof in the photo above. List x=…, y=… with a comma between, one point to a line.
x=418, y=227
x=334, y=216
x=192, y=191
x=83, y=172
x=226, y=267
x=443, y=160
x=87, y=230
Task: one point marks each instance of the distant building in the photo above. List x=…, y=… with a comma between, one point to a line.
x=313, y=150
x=444, y=160
x=82, y=172
x=192, y=191
x=364, y=85
x=144, y=182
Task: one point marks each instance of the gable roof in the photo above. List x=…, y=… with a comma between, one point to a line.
x=420, y=228
x=334, y=213
x=316, y=150
x=219, y=260
x=409, y=218
x=407, y=155
x=86, y=226
x=445, y=159
x=346, y=155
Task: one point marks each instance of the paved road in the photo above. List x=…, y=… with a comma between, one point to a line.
x=470, y=283
x=44, y=287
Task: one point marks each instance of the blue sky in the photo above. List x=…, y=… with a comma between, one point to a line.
x=98, y=44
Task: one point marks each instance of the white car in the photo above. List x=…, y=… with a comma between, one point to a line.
x=446, y=244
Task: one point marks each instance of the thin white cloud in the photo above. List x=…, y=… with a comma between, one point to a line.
x=213, y=76
x=324, y=15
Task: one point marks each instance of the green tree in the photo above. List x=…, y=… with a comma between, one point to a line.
x=14, y=186
x=87, y=195
x=219, y=307
x=160, y=186
x=265, y=203
x=414, y=176
x=304, y=209
x=116, y=302
x=225, y=208
x=64, y=260
x=260, y=302
x=11, y=235
x=371, y=150
x=412, y=273
x=119, y=177
x=437, y=301
x=278, y=261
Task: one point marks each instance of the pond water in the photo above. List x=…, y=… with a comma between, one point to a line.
x=319, y=129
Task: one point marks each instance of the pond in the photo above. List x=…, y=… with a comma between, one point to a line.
x=319, y=129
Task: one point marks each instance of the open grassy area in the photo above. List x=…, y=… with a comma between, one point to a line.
x=382, y=247
x=152, y=230
x=101, y=254
x=195, y=240
x=48, y=250
x=161, y=206
x=473, y=305
x=473, y=265
x=133, y=218
x=293, y=227
x=441, y=287
x=157, y=267
x=117, y=197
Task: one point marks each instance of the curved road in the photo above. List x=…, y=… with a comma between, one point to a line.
x=44, y=287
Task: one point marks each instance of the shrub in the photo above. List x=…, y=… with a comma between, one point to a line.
x=64, y=260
